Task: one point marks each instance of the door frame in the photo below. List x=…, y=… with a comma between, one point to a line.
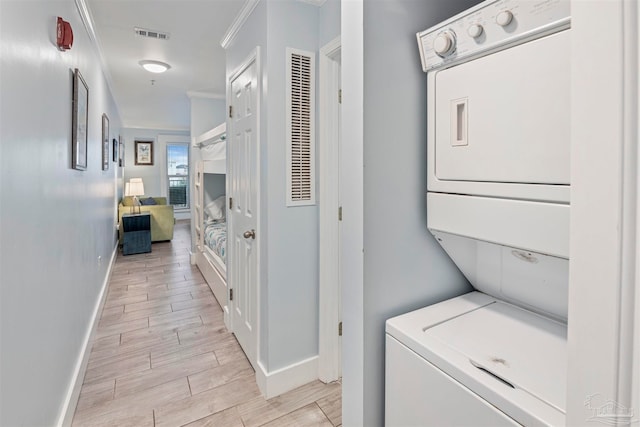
x=254, y=56
x=329, y=354
x=605, y=206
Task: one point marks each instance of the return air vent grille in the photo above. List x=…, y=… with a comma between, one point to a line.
x=154, y=34
x=300, y=127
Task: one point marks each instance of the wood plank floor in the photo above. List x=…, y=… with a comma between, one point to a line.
x=163, y=357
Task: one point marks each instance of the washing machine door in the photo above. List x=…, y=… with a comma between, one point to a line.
x=420, y=394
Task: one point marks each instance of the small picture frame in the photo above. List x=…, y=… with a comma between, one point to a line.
x=105, y=142
x=121, y=153
x=115, y=150
x=79, y=122
x=143, y=153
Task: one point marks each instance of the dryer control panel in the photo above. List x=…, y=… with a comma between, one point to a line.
x=490, y=26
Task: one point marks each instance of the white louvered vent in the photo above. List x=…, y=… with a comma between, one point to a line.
x=300, y=128
x=144, y=32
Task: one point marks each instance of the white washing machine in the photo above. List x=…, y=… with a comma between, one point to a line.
x=498, y=203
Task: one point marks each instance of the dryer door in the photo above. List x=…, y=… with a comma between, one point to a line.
x=504, y=118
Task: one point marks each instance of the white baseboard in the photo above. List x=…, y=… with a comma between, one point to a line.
x=275, y=383
x=182, y=215
x=73, y=392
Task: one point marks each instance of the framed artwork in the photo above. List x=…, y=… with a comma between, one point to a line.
x=143, y=151
x=105, y=142
x=121, y=153
x=115, y=150
x=79, y=122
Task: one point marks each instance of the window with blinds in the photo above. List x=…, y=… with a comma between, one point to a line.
x=300, y=128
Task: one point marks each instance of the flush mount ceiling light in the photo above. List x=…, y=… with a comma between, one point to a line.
x=154, y=66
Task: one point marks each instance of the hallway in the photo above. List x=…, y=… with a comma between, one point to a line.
x=162, y=356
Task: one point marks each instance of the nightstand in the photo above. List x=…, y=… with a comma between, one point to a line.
x=136, y=233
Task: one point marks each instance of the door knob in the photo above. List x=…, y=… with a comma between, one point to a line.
x=251, y=234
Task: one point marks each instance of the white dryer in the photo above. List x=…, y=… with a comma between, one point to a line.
x=498, y=203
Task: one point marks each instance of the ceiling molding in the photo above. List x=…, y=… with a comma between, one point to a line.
x=87, y=20
x=318, y=3
x=159, y=128
x=208, y=95
x=238, y=22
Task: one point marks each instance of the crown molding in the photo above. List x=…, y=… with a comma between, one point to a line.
x=88, y=21
x=202, y=94
x=318, y=3
x=238, y=22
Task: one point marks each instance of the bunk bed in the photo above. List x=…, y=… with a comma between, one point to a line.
x=210, y=212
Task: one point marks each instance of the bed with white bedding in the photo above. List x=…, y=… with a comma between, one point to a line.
x=209, y=220
x=215, y=242
x=211, y=255
x=215, y=239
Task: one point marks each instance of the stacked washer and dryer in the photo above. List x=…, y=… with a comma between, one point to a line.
x=498, y=123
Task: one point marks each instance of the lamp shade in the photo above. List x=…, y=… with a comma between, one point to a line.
x=136, y=187
x=127, y=190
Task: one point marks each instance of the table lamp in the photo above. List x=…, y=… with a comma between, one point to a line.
x=135, y=187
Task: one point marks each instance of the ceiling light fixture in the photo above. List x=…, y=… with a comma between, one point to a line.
x=154, y=66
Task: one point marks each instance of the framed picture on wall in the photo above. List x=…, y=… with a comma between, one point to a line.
x=115, y=150
x=143, y=151
x=121, y=153
x=105, y=142
x=79, y=122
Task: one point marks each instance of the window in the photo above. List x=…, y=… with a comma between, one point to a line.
x=178, y=175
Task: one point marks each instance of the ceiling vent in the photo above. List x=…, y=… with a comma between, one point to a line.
x=154, y=34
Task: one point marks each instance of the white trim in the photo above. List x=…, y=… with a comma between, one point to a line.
x=75, y=385
x=318, y=3
x=212, y=136
x=238, y=22
x=604, y=212
x=352, y=179
x=161, y=129
x=88, y=21
x=312, y=125
x=207, y=95
x=329, y=365
x=630, y=261
x=285, y=379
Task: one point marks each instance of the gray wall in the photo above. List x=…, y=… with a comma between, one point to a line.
x=206, y=114
x=404, y=267
x=151, y=175
x=328, y=22
x=54, y=221
x=292, y=296
x=214, y=186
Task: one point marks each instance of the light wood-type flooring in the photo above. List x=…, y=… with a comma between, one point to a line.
x=162, y=356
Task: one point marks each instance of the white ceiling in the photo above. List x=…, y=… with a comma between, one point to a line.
x=193, y=50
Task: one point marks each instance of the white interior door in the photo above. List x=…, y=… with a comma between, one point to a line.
x=243, y=205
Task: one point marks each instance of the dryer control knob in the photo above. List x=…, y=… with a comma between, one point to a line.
x=445, y=43
x=475, y=31
x=504, y=18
